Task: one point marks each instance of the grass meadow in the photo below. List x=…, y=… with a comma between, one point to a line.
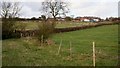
x=27, y=52
x=31, y=25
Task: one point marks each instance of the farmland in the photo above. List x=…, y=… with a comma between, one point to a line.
x=31, y=25
x=27, y=52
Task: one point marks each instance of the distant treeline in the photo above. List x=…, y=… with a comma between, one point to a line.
x=113, y=19
x=28, y=19
x=59, y=18
x=25, y=19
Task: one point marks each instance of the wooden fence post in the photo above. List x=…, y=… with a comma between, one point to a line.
x=21, y=35
x=70, y=48
x=59, y=48
x=94, y=54
x=42, y=40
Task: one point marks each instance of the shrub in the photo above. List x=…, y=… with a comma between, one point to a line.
x=46, y=29
x=8, y=28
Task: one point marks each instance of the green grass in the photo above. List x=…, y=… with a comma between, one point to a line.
x=27, y=52
x=34, y=25
x=71, y=24
x=29, y=24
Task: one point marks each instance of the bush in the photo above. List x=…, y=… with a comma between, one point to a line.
x=8, y=28
x=46, y=29
x=68, y=18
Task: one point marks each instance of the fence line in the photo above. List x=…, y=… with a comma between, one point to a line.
x=59, y=30
x=70, y=51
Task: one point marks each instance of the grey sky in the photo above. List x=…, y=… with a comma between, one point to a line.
x=100, y=8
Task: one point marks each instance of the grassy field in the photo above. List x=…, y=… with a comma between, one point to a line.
x=27, y=52
x=34, y=25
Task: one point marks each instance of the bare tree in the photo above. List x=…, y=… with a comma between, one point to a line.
x=52, y=8
x=9, y=10
x=55, y=7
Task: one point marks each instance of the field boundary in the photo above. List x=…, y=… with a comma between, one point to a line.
x=27, y=33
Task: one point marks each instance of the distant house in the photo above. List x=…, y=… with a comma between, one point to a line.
x=96, y=20
x=57, y=18
x=87, y=19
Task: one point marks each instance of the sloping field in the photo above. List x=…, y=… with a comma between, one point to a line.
x=27, y=52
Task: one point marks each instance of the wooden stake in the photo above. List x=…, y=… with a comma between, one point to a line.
x=70, y=49
x=21, y=34
x=42, y=40
x=59, y=48
x=94, y=54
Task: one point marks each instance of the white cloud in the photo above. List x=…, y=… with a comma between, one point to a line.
x=23, y=0
x=62, y=0
x=94, y=8
x=101, y=8
x=28, y=12
x=107, y=9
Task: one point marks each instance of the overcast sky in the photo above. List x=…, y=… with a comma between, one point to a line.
x=99, y=8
